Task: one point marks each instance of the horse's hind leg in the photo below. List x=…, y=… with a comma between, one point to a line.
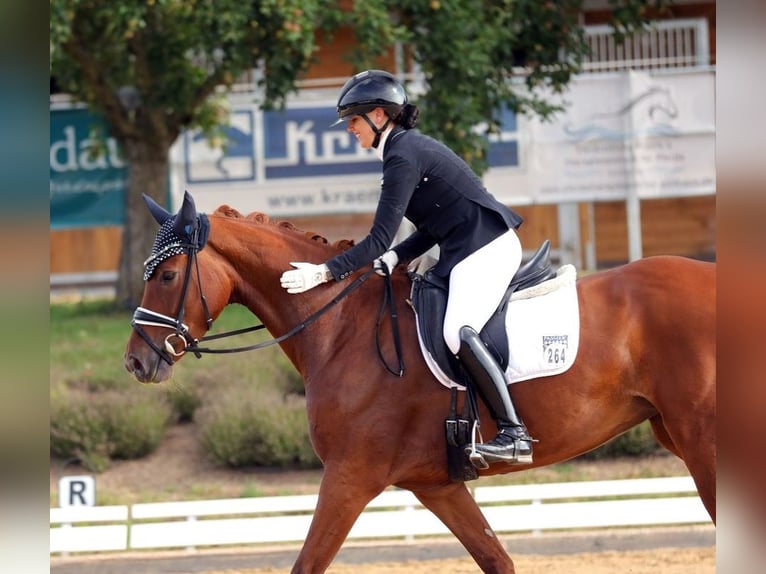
x=457, y=509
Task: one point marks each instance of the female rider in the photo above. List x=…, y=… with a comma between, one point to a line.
x=449, y=206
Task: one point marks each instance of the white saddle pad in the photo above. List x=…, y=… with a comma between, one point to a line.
x=543, y=326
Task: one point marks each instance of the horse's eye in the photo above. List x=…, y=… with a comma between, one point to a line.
x=168, y=276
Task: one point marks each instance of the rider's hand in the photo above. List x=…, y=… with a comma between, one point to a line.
x=305, y=276
x=389, y=259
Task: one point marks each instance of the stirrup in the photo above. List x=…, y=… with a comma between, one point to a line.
x=476, y=458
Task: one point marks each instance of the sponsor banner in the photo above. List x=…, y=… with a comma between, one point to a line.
x=86, y=189
x=632, y=133
x=292, y=162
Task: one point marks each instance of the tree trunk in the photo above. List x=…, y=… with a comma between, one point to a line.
x=147, y=173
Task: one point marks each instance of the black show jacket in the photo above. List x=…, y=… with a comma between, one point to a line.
x=440, y=194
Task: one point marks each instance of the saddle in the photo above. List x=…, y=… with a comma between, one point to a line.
x=429, y=300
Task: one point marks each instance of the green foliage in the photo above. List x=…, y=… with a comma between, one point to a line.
x=630, y=16
x=175, y=55
x=638, y=441
x=247, y=428
x=480, y=56
x=96, y=428
x=467, y=51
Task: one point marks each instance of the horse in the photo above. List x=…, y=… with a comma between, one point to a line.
x=647, y=352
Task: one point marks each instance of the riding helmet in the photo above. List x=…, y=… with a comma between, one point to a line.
x=369, y=90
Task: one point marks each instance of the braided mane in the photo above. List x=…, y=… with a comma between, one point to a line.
x=262, y=218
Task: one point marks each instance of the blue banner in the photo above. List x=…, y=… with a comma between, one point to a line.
x=300, y=142
x=87, y=189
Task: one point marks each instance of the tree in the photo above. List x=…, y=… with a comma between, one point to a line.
x=152, y=68
x=155, y=67
x=470, y=51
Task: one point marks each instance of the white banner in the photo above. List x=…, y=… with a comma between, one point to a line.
x=652, y=135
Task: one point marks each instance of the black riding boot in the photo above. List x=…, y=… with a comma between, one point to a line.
x=512, y=443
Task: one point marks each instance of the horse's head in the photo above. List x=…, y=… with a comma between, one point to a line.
x=173, y=310
x=187, y=287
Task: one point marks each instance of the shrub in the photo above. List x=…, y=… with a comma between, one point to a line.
x=97, y=427
x=78, y=431
x=638, y=441
x=185, y=401
x=136, y=424
x=248, y=428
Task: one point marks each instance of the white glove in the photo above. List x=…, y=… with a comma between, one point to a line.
x=389, y=259
x=306, y=276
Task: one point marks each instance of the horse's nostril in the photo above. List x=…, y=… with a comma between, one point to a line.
x=133, y=365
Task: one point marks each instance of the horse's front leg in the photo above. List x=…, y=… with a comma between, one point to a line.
x=341, y=501
x=457, y=509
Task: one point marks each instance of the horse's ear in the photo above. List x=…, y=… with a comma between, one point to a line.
x=186, y=219
x=160, y=214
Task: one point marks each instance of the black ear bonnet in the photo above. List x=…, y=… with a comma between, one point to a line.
x=179, y=233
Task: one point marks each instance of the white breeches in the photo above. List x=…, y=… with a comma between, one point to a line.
x=477, y=284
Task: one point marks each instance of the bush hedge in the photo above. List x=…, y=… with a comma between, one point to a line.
x=97, y=427
x=249, y=428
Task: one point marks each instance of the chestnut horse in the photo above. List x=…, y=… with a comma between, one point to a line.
x=647, y=351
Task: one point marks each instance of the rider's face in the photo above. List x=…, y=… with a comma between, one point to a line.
x=362, y=130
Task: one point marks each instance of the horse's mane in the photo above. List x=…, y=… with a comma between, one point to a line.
x=262, y=218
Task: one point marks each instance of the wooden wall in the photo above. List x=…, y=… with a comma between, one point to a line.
x=85, y=250
x=682, y=226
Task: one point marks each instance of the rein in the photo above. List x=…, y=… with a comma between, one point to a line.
x=389, y=301
x=295, y=330
x=143, y=316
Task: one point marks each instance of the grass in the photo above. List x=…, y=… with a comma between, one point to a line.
x=87, y=342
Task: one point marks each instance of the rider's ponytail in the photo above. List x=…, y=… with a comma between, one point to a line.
x=408, y=117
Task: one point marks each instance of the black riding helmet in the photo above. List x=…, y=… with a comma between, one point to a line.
x=369, y=90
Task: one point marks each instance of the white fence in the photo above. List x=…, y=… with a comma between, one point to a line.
x=393, y=514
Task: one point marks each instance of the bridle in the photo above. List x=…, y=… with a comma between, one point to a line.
x=146, y=317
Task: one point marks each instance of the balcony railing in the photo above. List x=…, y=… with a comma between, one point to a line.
x=665, y=44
